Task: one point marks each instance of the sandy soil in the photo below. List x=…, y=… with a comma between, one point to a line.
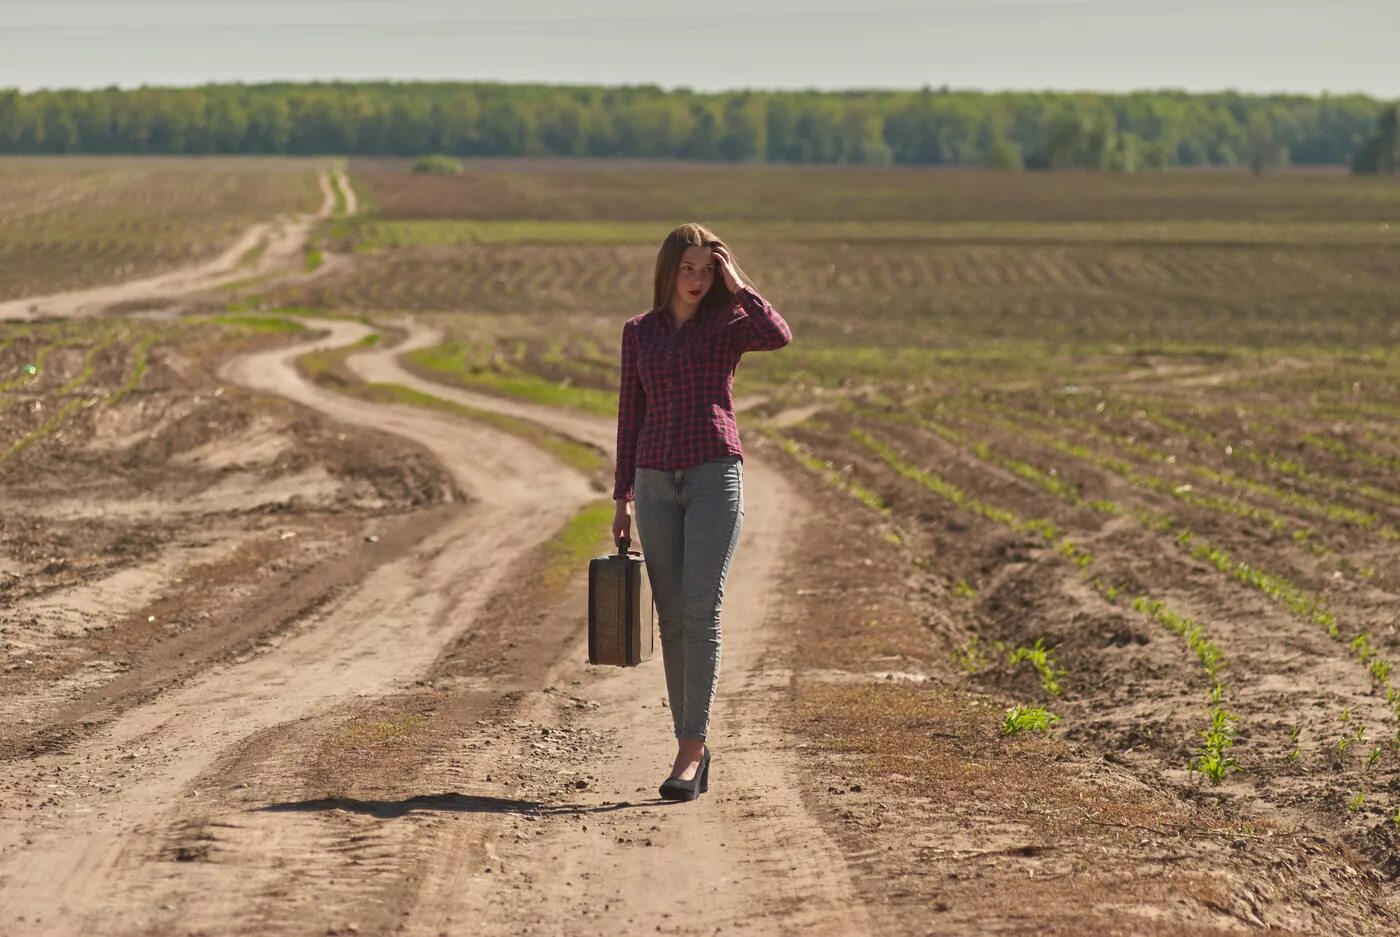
x=352, y=200
x=123, y=791
x=741, y=857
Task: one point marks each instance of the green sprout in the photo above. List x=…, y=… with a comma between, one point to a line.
x=1042, y=659
x=1027, y=719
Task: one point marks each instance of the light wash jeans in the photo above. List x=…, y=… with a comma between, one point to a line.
x=689, y=522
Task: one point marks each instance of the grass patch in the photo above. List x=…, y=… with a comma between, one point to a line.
x=249, y=303
x=251, y=255
x=274, y=324
x=338, y=189
x=310, y=312
x=328, y=368
x=575, y=454
x=391, y=734
x=577, y=542
x=461, y=364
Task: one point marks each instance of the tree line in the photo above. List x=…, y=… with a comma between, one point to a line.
x=926, y=127
x=1381, y=153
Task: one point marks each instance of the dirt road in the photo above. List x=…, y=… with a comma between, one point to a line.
x=750, y=857
x=196, y=812
x=347, y=191
x=264, y=248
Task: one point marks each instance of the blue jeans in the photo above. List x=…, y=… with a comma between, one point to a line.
x=689, y=522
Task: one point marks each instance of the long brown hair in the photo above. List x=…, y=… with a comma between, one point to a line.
x=668, y=267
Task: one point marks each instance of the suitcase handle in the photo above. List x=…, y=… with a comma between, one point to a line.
x=623, y=543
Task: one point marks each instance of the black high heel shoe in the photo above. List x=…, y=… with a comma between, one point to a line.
x=676, y=789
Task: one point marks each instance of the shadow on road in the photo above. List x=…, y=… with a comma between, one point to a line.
x=449, y=803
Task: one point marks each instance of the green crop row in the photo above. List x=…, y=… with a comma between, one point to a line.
x=824, y=469
x=973, y=659
x=1270, y=461
x=1351, y=453
x=108, y=338
x=486, y=369
x=1276, y=587
x=954, y=494
x=61, y=415
x=1338, y=512
x=30, y=371
x=1299, y=602
x=9, y=333
x=324, y=367
x=1210, y=656
x=440, y=232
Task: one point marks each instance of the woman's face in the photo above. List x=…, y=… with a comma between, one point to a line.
x=696, y=275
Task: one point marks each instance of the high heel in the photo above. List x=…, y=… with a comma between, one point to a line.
x=676, y=789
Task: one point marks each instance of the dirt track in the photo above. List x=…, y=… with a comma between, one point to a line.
x=277, y=243
x=754, y=848
x=153, y=786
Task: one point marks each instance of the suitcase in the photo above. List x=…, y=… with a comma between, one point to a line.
x=621, y=614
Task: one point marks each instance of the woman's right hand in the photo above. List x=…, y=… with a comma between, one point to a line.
x=622, y=521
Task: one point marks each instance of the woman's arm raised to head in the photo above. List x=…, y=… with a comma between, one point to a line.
x=631, y=408
x=756, y=325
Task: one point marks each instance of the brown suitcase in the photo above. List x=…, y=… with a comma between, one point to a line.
x=621, y=614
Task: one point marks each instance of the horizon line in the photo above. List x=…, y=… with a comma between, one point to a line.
x=943, y=88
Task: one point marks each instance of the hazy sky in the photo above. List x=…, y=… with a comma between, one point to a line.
x=1250, y=45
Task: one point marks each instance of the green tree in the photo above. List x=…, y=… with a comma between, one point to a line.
x=863, y=137
x=931, y=126
x=745, y=129
x=1003, y=154
x=1265, y=149
x=1382, y=152
x=563, y=127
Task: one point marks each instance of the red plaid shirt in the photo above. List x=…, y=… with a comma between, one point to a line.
x=675, y=408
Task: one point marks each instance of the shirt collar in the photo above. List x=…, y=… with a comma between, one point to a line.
x=701, y=314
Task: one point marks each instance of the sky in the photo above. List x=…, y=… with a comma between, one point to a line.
x=1306, y=46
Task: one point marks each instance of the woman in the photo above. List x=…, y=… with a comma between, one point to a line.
x=680, y=462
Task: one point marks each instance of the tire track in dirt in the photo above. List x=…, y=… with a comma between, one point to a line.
x=746, y=855
x=752, y=854
x=122, y=785
x=352, y=200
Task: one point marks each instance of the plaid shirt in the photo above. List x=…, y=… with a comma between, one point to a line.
x=675, y=408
